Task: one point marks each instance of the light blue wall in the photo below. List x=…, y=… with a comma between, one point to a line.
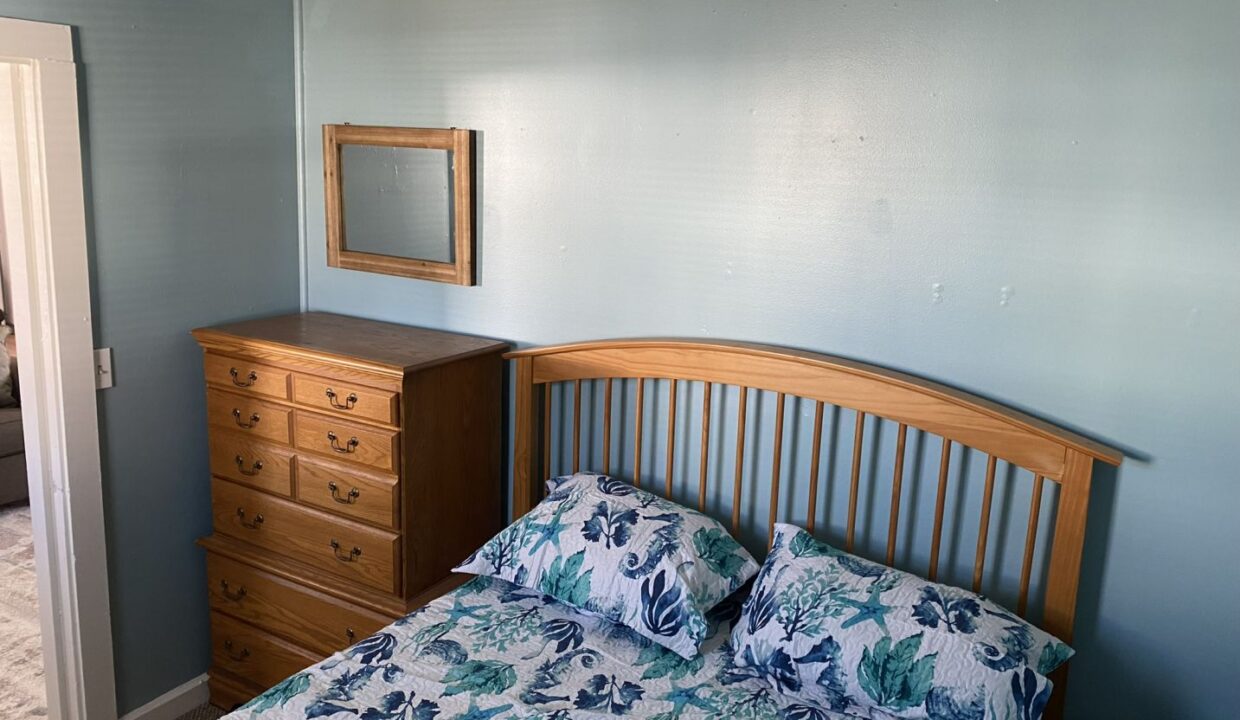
x=191, y=185
x=805, y=173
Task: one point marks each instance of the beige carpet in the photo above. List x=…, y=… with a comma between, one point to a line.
x=22, y=694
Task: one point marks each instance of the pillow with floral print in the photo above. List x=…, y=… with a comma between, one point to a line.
x=848, y=635
x=607, y=548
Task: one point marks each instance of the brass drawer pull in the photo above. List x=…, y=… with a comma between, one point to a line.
x=349, y=402
x=251, y=524
x=348, y=447
x=349, y=499
x=355, y=553
x=254, y=418
x=349, y=633
x=234, y=596
x=249, y=379
x=228, y=647
x=255, y=467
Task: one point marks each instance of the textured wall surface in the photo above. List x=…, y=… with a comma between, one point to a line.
x=191, y=189
x=1034, y=201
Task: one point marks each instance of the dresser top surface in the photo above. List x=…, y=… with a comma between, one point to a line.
x=390, y=345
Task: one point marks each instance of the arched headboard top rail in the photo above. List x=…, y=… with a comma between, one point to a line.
x=1029, y=442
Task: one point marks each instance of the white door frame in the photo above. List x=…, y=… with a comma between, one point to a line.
x=45, y=226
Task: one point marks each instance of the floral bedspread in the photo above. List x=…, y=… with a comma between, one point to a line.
x=494, y=650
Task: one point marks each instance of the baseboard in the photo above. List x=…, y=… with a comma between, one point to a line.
x=174, y=703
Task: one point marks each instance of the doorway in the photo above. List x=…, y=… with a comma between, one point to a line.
x=42, y=208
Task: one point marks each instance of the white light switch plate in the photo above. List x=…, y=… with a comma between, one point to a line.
x=103, y=368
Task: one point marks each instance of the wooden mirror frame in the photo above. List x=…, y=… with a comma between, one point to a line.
x=459, y=143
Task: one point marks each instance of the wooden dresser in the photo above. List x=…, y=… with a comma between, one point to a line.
x=353, y=464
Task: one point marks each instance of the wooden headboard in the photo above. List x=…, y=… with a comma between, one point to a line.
x=959, y=419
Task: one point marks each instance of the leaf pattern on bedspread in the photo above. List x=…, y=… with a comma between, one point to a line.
x=444, y=662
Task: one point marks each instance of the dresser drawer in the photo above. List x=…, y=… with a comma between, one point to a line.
x=346, y=441
x=246, y=377
x=345, y=399
x=250, y=653
x=249, y=416
x=369, y=497
x=252, y=462
x=284, y=608
x=341, y=547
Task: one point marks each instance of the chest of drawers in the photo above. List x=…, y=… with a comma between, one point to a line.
x=353, y=463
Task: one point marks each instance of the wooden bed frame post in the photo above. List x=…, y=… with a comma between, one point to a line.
x=524, y=459
x=1065, y=572
x=1064, y=577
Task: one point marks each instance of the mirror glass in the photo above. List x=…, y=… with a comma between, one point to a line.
x=398, y=201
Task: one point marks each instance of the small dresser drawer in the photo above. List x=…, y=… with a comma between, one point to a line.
x=246, y=377
x=344, y=399
x=252, y=462
x=346, y=441
x=341, y=547
x=364, y=496
x=250, y=653
x=254, y=418
x=286, y=609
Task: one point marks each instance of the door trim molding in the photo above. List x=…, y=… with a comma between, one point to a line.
x=45, y=225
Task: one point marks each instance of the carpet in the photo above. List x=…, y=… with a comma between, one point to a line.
x=22, y=694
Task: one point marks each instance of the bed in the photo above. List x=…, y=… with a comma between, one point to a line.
x=494, y=649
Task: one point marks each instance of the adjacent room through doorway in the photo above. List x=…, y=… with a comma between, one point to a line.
x=24, y=694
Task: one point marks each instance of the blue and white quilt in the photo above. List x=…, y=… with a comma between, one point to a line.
x=495, y=650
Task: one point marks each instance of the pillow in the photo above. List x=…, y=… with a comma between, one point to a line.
x=608, y=548
x=6, y=362
x=842, y=633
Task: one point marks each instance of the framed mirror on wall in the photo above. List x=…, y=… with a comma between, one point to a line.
x=399, y=201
